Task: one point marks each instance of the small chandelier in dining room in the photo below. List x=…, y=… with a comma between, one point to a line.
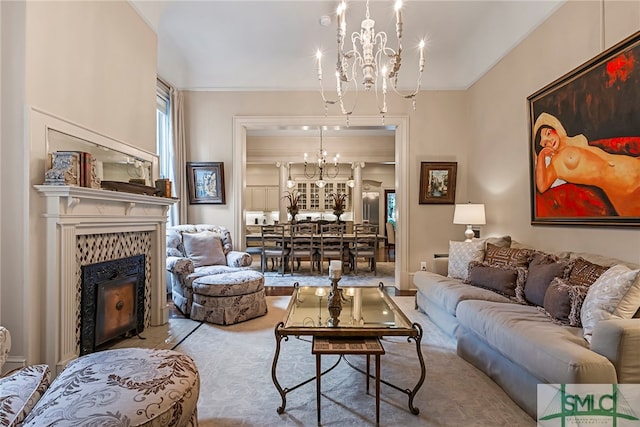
x=319, y=167
x=369, y=59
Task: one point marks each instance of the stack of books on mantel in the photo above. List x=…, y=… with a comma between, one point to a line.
x=76, y=168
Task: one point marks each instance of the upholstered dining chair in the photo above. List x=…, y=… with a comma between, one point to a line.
x=331, y=243
x=274, y=246
x=391, y=238
x=364, y=245
x=302, y=244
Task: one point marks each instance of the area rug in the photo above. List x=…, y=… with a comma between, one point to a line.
x=237, y=388
x=304, y=276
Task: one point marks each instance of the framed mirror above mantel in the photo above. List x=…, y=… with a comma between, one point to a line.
x=115, y=161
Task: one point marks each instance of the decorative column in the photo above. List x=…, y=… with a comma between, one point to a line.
x=282, y=187
x=357, y=192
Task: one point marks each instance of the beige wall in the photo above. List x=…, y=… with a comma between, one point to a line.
x=484, y=129
x=92, y=63
x=437, y=132
x=498, y=153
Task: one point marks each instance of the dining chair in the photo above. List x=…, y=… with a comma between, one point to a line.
x=391, y=238
x=331, y=243
x=274, y=246
x=302, y=244
x=364, y=245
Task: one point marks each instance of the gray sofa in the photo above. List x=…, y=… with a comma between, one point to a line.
x=518, y=344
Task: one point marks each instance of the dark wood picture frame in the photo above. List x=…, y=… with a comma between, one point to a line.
x=438, y=182
x=205, y=182
x=584, y=143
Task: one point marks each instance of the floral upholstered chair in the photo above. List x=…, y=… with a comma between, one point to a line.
x=201, y=254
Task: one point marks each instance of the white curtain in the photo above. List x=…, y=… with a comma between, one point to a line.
x=178, y=215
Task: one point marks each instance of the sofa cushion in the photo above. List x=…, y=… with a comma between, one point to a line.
x=563, y=302
x=204, y=248
x=500, y=256
x=461, y=254
x=584, y=273
x=20, y=391
x=540, y=275
x=241, y=282
x=604, y=295
x=447, y=292
x=523, y=334
x=503, y=279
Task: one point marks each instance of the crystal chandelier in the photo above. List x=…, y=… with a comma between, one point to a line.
x=319, y=167
x=369, y=59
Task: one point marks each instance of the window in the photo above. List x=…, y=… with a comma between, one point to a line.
x=165, y=142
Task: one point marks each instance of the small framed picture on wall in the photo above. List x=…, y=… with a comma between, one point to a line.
x=205, y=182
x=438, y=182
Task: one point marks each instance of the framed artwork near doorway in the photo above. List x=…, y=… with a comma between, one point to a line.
x=438, y=182
x=205, y=182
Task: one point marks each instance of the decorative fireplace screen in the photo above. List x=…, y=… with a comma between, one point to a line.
x=112, y=301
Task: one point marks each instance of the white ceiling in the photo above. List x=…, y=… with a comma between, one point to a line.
x=270, y=45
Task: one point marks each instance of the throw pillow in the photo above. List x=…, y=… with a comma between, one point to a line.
x=604, y=295
x=629, y=306
x=20, y=391
x=502, y=241
x=563, y=302
x=460, y=255
x=204, y=248
x=539, y=277
x=584, y=273
x=502, y=279
x=497, y=256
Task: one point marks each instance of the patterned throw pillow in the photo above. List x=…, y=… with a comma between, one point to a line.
x=460, y=255
x=585, y=273
x=20, y=391
x=500, y=256
x=605, y=295
x=563, y=302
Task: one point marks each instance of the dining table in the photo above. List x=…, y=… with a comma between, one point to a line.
x=348, y=238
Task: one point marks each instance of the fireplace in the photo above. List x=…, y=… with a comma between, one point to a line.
x=112, y=301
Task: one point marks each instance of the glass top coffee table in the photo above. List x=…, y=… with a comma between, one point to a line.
x=365, y=312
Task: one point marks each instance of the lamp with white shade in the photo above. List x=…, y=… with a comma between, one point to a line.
x=469, y=214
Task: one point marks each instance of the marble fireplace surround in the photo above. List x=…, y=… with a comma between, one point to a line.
x=75, y=214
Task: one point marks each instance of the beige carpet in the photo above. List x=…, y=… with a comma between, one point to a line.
x=237, y=389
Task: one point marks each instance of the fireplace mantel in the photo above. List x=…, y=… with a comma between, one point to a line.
x=70, y=212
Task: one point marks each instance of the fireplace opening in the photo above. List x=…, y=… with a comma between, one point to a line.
x=112, y=301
